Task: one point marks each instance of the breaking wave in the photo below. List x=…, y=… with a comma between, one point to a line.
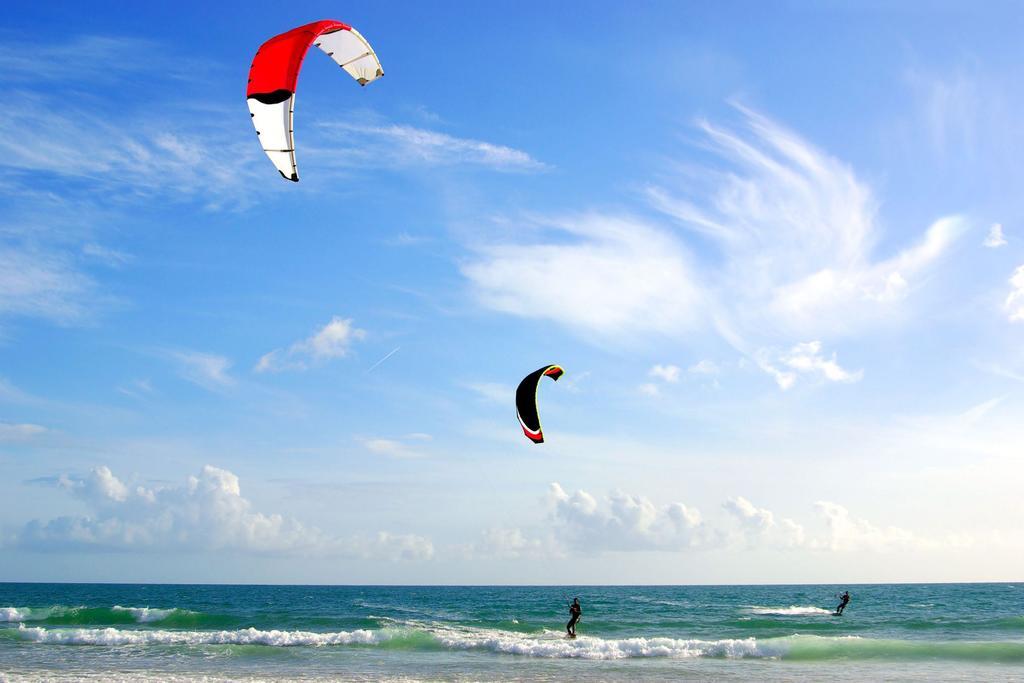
x=61, y=614
x=791, y=611
x=145, y=615
x=248, y=636
x=548, y=644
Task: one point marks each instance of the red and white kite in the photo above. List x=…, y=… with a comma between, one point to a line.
x=275, y=71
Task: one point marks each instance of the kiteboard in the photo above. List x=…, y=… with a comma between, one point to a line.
x=570, y=636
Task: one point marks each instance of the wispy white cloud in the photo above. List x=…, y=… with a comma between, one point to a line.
x=797, y=231
x=804, y=359
x=23, y=431
x=129, y=157
x=206, y=513
x=44, y=284
x=93, y=59
x=333, y=340
x=1015, y=301
x=493, y=392
x=966, y=115
x=402, y=145
x=704, y=367
x=397, y=447
x=666, y=373
x=405, y=239
x=9, y=393
x=949, y=104
x=137, y=388
x=639, y=274
x=995, y=237
x=105, y=255
x=208, y=370
x=796, y=235
x=650, y=389
x=104, y=156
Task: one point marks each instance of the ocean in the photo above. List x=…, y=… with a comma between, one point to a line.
x=913, y=632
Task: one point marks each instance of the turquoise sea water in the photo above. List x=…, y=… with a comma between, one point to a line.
x=739, y=633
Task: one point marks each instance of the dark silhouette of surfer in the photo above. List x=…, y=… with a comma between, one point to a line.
x=575, y=611
x=844, y=601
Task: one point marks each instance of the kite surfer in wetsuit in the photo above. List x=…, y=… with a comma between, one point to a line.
x=845, y=600
x=574, y=615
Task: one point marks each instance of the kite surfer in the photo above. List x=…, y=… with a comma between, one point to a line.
x=844, y=601
x=575, y=611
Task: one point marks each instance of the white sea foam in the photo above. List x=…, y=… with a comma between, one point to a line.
x=142, y=615
x=16, y=614
x=249, y=636
x=145, y=615
x=791, y=611
x=555, y=645
x=80, y=676
x=548, y=645
x=13, y=613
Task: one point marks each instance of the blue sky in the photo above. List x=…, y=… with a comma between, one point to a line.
x=775, y=249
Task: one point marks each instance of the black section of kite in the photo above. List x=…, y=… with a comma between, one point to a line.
x=526, y=401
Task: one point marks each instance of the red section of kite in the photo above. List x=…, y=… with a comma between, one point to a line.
x=277, y=62
x=536, y=438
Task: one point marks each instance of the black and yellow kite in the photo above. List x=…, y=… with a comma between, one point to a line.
x=526, y=401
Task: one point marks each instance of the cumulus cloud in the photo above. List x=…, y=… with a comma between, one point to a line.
x=206, y=513
x=804, y=359
x=995, y=238
x=620, y=522
x=640, y=275
x=847, y=533
x=664, y=373
x=101, y=486
x=390, y=547
x=500, y=543
x=1015, y=301
x=333, y=340
x=759, y=526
